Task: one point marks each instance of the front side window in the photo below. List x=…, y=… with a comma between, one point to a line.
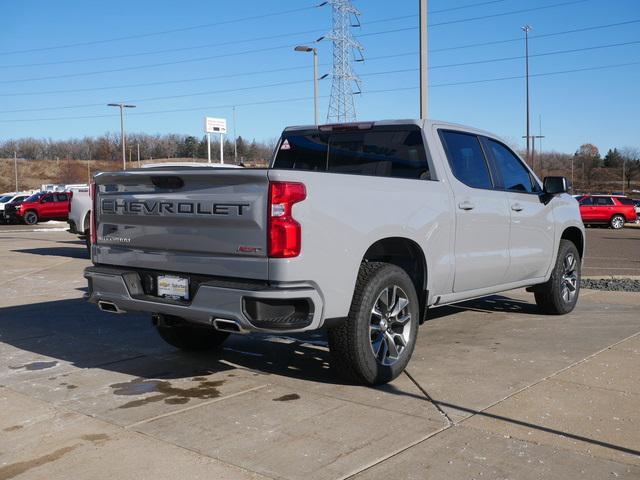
x=379, y=152
x=514, y=175
x=467, y=159
x=33, y=198
x=586, y=201
x=47, y=199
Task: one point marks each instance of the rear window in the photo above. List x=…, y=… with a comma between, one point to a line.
x=380, y=152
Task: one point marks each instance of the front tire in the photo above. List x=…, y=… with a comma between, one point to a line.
x=30, y=218
x=374, y=345
x=186, y=336
x=617, y=222
x=559, y=295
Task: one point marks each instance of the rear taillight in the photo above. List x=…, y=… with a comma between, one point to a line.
x=285, y=234
x=92, y=217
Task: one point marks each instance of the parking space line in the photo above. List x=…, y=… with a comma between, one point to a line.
x=193, y=407
x=399, y=451
x=554, y=374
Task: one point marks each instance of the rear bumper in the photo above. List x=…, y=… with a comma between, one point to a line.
x=220, y=299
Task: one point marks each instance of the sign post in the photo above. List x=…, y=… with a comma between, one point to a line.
x=215, y=125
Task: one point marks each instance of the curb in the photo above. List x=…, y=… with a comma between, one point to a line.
x=610, y=277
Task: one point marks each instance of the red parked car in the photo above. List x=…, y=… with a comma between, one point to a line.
x=609, y=210
x=45, y=206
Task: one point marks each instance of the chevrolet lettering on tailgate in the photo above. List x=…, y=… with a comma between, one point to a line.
x=135, y=207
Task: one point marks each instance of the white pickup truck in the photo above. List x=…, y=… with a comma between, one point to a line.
x=80, y=212
x=356, y=228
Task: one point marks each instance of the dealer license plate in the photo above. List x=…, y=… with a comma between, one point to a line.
x=176, y=288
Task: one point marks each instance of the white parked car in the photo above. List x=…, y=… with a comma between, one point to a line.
x=10, y=198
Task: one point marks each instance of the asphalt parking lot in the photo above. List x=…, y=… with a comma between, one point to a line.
x=612, y=252
x=494, y=390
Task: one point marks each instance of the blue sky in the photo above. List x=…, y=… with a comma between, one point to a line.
x=599, y=106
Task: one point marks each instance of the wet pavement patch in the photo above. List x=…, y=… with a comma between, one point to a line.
x=287, y=398
x=95, y=437
x=15, y=469
x=36, y=366
x=12, y=428
x=164, y=391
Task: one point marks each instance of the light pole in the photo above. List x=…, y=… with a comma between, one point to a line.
x=15, y=164
x=424, y=63
x=235, y=138
x=526, y=29
x=122, y=107
x=304, y=48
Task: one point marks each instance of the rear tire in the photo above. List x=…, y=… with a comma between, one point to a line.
x=30, y=218
x=617, y=222
x=374, y=345
x=559, y=295
x=186, y=336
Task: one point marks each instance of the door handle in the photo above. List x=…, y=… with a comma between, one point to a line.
x=466, y=205
x=516, y=207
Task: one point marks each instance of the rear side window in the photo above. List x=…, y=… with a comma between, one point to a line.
x=513, y=173
x=602, y=201
x=467, y=159
x=626, y=201
x=303, y=152
x=379, y=152
x=61, y=197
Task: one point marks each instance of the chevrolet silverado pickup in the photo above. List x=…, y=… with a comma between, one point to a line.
x=356, y=228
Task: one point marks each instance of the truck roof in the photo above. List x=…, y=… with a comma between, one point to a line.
x=412, y=121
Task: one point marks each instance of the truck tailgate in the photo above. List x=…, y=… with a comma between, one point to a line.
x=189, y=220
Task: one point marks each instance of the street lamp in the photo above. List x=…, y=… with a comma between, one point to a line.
x=306, y=49
x=122, y=107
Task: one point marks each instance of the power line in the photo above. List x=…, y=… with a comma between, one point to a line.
x=543, y=35
x=161, y=32
x=433, y=67
x=199, y=59
x=279, y=70
x=207, y=25
x=286, y=100
x=167, y=50
x=254, y=39
x=148, y=65
x=483, y=17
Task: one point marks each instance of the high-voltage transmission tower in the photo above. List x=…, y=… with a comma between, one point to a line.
x=346, y=49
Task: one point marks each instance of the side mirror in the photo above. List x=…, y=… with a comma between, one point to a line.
x=556, y=185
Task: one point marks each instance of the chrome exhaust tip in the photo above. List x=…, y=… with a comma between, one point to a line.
x=109, y=307
x=230, y=326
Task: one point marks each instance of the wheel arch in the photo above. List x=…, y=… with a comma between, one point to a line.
x=86, y=221
x=406, y=254
x=574, y=235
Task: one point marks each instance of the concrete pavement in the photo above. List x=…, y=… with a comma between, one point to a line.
x=494, y=390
